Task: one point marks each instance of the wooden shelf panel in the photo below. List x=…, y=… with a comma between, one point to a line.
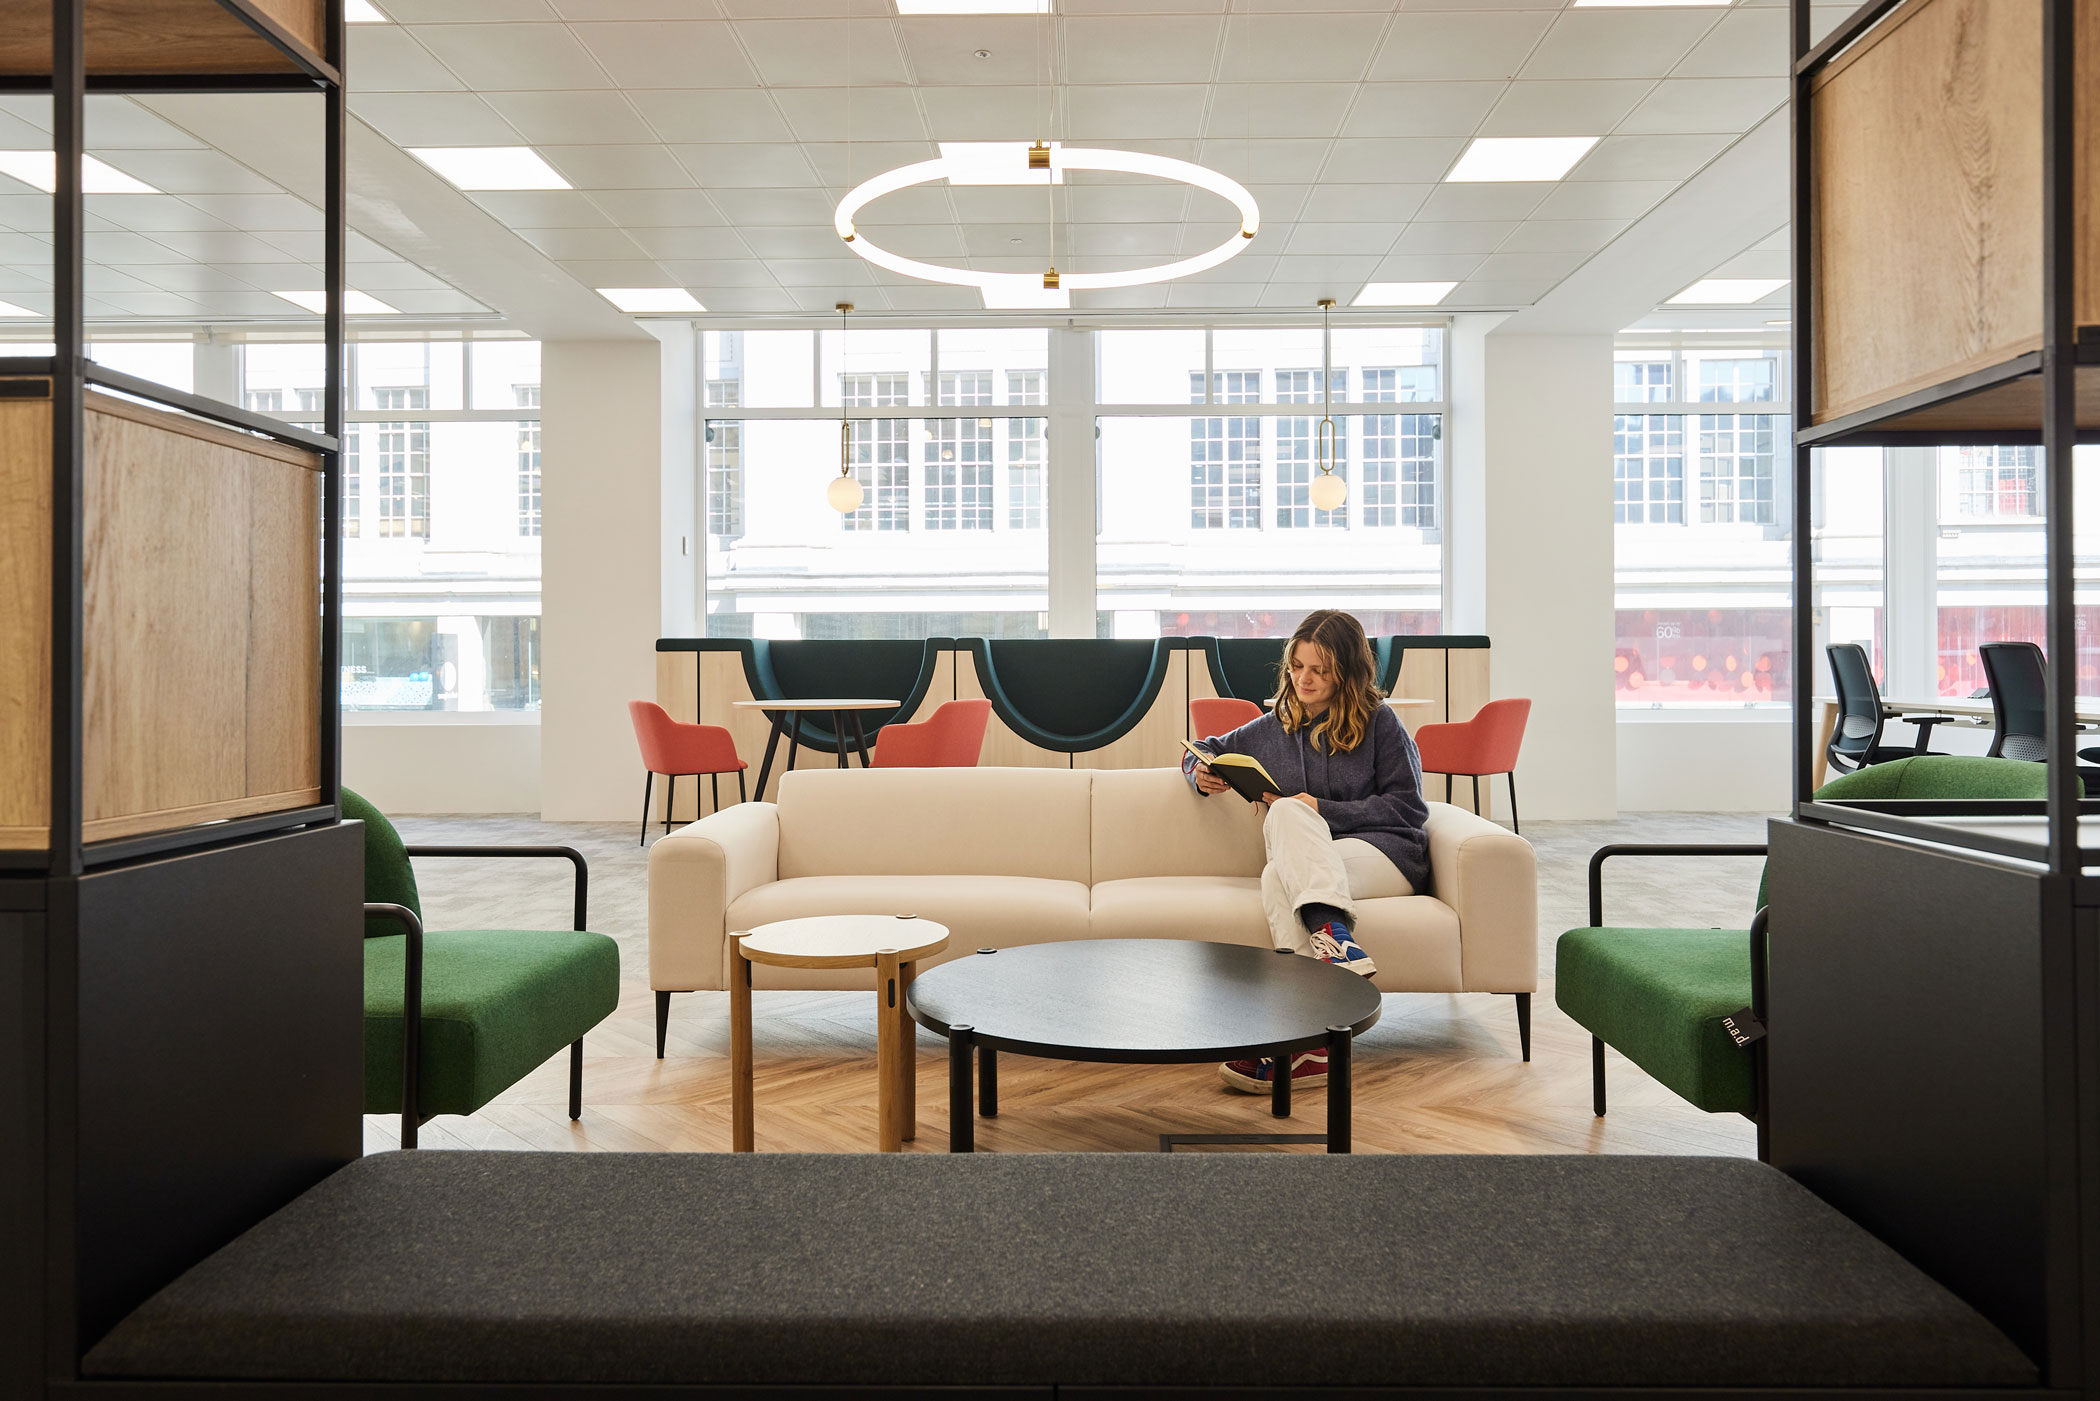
x=2013, y=407
x=1927, y=234
x=25, y=616
x=162, y=37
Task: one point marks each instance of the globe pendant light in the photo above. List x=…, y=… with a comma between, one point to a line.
x=845, y=491
x=1329, y=491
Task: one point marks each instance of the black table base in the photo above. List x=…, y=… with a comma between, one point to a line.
x=788, y=722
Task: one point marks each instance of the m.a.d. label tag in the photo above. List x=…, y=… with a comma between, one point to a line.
x=1743, y=1027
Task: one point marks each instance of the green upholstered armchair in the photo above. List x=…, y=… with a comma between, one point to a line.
x=1665, y=998
x=455, y=1017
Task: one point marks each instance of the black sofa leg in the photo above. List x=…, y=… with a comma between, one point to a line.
x=1597, y=1075
x=576, y=1079
x=648, y=788
x=663, y=1021
x=1524, y=1022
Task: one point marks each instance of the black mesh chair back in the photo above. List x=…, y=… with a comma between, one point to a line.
x=2019, y=682
x=1858, y=730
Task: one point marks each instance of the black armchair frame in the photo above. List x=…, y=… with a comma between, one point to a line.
x=412, y=1117
x=1759, y=950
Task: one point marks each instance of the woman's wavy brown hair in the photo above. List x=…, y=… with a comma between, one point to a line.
x=1356, y=694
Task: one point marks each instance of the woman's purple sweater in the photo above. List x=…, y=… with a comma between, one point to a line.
x=1373, y=791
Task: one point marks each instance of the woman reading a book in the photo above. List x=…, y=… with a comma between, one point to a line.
x=1343, y=787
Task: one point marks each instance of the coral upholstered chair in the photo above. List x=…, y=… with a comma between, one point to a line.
x=1486, y=744
x=1220, y=715
x=950, y=738
x=672, y=747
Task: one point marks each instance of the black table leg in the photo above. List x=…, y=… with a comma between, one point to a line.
x=765, y=767
x=1338, y=1039
x=793, y=720
x=988, y=1082
x=838, y=732
x=861, y=735
x=962, y=1123
x=1280, y=1085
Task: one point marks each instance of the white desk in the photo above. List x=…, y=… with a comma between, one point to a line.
x=1967, y=712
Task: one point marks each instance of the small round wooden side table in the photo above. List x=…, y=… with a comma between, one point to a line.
x=890, y=944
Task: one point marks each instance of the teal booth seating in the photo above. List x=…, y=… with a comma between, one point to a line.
x=455, y=1017
x=1071, y=695
x=1249, y=668
x=1666, y=998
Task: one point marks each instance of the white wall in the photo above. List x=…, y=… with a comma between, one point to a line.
x=456, y=765
x=1693, y=763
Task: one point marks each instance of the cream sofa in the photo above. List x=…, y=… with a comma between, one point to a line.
x=1023, y=856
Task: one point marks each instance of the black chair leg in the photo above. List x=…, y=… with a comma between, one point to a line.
x=648, y=787
x=741, y=796
x=1524, y=1023
x=663, y=1021
x=1476, y=793
x=714, y=782
x=1447, y=788
x=576, y=1079
x=1514, y=826
x=1597, y=1076
x=670, y=797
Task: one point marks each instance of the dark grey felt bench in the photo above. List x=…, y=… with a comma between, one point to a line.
x=1139, y=1269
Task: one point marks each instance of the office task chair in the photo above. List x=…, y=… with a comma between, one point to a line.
x=1856, y=742
x=2019, y=682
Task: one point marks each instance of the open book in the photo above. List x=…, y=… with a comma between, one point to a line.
x=1243, y=774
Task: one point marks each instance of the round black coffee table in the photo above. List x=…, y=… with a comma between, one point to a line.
x=1142, y=1001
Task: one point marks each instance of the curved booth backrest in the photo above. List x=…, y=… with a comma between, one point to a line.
x=1071, y=695
x=844, y=668
x=1247, y=668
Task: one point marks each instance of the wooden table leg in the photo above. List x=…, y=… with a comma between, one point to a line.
x=1826, y=725
x=889, y=1052
x=908, y=1061
x=739, y=1047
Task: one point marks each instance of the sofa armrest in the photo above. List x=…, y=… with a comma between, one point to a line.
x=695, y=875
x=1489, y=877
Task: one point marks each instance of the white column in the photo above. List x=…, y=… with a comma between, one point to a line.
x=1072, y=483
x=603, y=550
x=1910, y=619
x=681, y=475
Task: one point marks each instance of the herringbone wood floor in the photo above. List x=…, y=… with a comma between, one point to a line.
x=1438, y=1074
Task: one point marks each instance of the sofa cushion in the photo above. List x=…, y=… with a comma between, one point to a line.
x=1415, y=940
x=1146, y=822
x=980, y=912
x=1138, y=1269
x=1219, y=909
x=935, y=822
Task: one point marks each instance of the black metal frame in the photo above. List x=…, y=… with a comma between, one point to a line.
x=671, y=794
x=2055, y=363
x=412, y=1117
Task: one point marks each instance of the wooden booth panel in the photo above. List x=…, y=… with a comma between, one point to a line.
x=25, y=621
x=164, y=36
x=1422, y=675
x=201, y=639
x=1155, y=741
x=1928, y=149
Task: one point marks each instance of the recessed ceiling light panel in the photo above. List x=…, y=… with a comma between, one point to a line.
x=354, y=303
x=1728, y=291
x=640, y=301
x=1519, y=158
x=491, y=167
x=40, y=168
x=362, y=12
x=1403, y=293
x=973, y=7
x=10, y=309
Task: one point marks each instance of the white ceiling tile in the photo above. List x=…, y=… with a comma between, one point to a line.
x=649, y=9
x=1266, y=162
x=622, y=167
x=1745, y=44
x=754, y=206
x=1140, y=49
x=943, y=50
x=691, y=54
x=568, y=118
x=392, y=276
x=1780, y=240
x=1212, y=295
x=448, y=302
x=1603, y=199
x=1305, y=296
x=828, y=114
x=764, y=165
x=1120, y=112
x=1707, y=105
x=1483, y=202
x=433, y=119
x=476, y=11
x=1279, y=109
x=259, y=212
x=19, y=135
x=615, y=272
x=691, y=243
x=1564, y=235
x=1420, y=109
x=796, y=241
x=1123, y=298
x=116, y=246
x=1247, y=267
x=32, y=212
x=273, y=277
x=846, y=164
x=1445, y=47
x=928, y=297
x=189, y=277
x=981, y=114
x=1341, y=238
x=801, y=53
x=1298, y=267
x=916, y=204
x=1323, y=48
x=564, y=244
x=1160, y=241
x=221, y=247
x=1417, y=160
x=147, y=302
x=145, y=213
x=1616, y=43
x=1758, y=263
x=1363, y=204
x=750, y=301
x=24, y=248
x=1548, y=268
x=523, y=57
x=1648, y=157
x=191, y=172
x=121, y=122
x=1426, y=267
x=1279, y=203
x=1118, y=204
x=1532, y=107
x=847, y=271
x=703, y=276
x=936, y=241
x=998, y=204
x=1452, y=238
x=255, y=305
x=866, y=296
x=386, y=58
x=542, y=209
x=1490, y=294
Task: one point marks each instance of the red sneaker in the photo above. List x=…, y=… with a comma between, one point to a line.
x=1258, y=1077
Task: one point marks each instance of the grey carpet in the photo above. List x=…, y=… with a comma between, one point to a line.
x=1126, y=1268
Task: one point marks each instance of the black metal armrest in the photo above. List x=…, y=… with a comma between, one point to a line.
x=1605, y=853
x=567, y=853
x=411, y=1015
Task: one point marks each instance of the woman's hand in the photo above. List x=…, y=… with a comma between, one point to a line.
x=1271, y=799
x=1208, y=782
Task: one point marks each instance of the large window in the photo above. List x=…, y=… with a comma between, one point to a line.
x=441, y=513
